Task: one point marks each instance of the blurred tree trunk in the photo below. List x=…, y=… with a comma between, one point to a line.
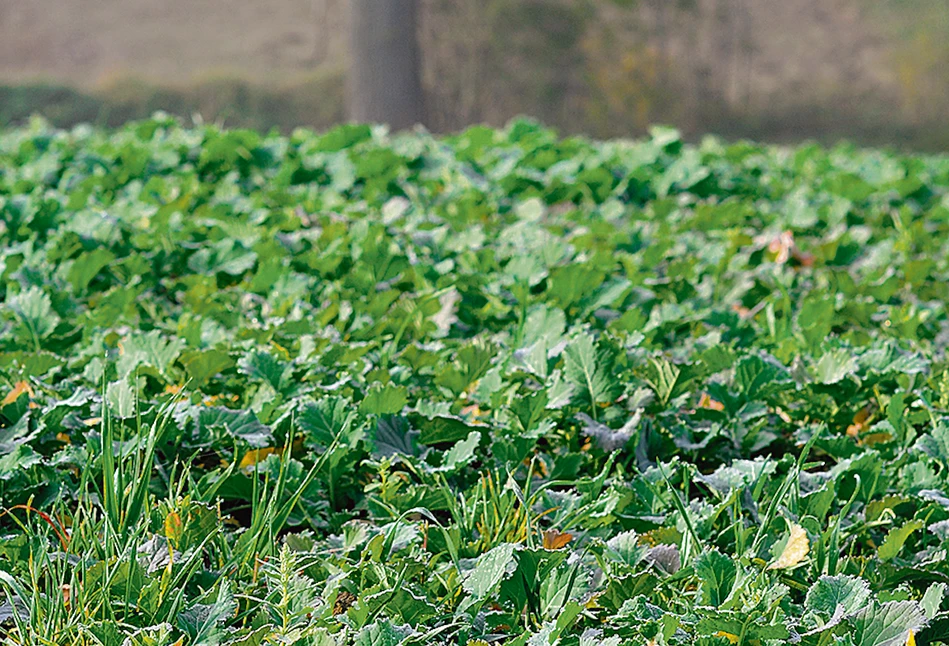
x=384, y=77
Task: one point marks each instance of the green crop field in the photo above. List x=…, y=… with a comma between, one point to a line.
x=492, y=388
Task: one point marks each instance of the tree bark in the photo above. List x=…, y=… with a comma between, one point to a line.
x=384, y=77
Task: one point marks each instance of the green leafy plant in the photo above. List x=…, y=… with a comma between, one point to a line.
x=496, y=387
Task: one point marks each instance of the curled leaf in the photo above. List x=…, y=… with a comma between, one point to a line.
x=554, y=540
x=795, y=550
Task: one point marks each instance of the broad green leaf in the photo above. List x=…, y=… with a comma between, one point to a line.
x=384, y=400
x=343, y=136
x=327, y=419
x=534, y=358
x=393, y=436
x=202, y=365
x=717, y=574
x=237, y=424
x=593, y=639
x=731, y=625
x=30, y=364
x=443, y=428
x=16, y=461
x=835, y=366
x=471, y=363
x=896, y=538
x=935, y=443
x=35, y=311
x=381, y=633
x=683, y=174
x=932, y=599
x=887, y=358
x=589, y=370
x=121, y=399
x=87, y=266
x=462, y=453
x=663, y=377
x=738, y=474
x=757, y=377
x=226, y=256
x=151, y=349
x=204, y=623
x=887, y=624
x=544, y=323
x=571, y=284
x=625, y=548
x=266, y=367
x=490, y=569
x=828, y=592
x=16, y=434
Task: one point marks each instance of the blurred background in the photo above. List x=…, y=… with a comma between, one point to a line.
x=872, y=71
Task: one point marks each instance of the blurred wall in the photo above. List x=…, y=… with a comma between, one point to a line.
x=876, y=71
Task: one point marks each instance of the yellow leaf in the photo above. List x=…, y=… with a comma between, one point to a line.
x=19, y=388
x=173, y=527
x=911, y=639
x=875, y=438
x=257, y=455
x=471, y=411
x=861, y=422
x=862, y=416
x=781, y=247
x=92, y=421
x=707, y=402
x=730, y=637
x=780, y=412
x=284, y=353
x=554, y=540
x=795, y=550
x=210, y=400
